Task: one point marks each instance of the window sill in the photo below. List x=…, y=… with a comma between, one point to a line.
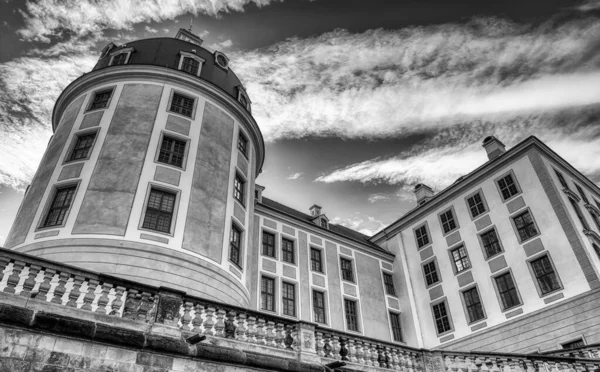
x=457, y=273
x=439, y=282
x=451, y=231
x=267, y=256
x=439, y=335
x=156, y=231
x=174, y=167
x=494, y=256
x=512, y=197
x=243, y=154
x=512, y=308
x=481, y=215
x=240, y=203
x=425, y=246
x=551, y=292
x=348, y=281
x=95, y=109
x=182, y=115
x=236, y=264
x=528, y=239
x=47, y=228
x=477, y=321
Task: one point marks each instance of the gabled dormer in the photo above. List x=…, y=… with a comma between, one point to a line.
x=319, y=218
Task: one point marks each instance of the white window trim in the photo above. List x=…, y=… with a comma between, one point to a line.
x=192, y=56
x=217, y=54
x=121, y=51
x=242, y=93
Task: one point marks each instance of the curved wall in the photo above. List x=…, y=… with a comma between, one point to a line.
x=103, y=228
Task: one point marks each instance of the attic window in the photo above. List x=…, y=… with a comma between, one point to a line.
x=120, y=57
x=221, y=60
x=323, y=223
x=190, y=63
x=243, y=98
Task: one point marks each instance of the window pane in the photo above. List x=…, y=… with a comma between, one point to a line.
x=319, y=306
x=59, y=207
x=182, y=105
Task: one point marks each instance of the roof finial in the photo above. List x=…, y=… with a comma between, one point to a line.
x=191, y=19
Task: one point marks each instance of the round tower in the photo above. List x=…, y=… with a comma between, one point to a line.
x=150, y=172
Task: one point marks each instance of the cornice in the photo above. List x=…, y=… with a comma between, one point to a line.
x=592, y=209
x=313, y=229
x=162, y=75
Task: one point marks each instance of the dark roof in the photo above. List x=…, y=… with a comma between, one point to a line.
x=336, y=229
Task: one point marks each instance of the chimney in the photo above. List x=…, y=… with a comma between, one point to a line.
x=493, y=147
x=423, y=193
x=258, y=190
x=315, y=210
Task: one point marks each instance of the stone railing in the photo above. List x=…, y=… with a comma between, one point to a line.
x=587, y=351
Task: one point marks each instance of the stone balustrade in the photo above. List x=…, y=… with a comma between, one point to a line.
x=587, y=351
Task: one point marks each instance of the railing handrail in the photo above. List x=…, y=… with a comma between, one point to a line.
x=488, y=354
x=576, y=349
x=365, y=338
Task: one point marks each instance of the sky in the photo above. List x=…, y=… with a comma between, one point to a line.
x=358, y=101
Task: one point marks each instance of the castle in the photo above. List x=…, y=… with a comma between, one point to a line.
x=146, y=196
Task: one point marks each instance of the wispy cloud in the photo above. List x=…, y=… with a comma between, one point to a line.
x=364, y=224
x=295, y=176
x=150, y=30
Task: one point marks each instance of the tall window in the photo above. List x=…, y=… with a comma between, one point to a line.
x=525, y=226
x=347, y=273
x=267, y=294
x=159, y=211
x=396, y=327
x=388, y=281
x=582, y=194
x=182, y=105
x=448, y=222
x=101, y=99
x=351, y=315
x=473, y=305
x=235, y=239
x=171, y=151
x=119, y=59
x=190, y=65
x=287, y=250
x=59, y=207
x=238, y=189
x=507, y=291
x=242, y=144
x=460, y=258
x=491, y=243
x=82, y=147
x=431, y=275
x=422, y=236
x=319, y=306
x=442, y=320
x=476, y=205
x=579, y=215
x=508, y=187
x=288, y=298
x=268, y=244
x=315, y=260
x=561, y=179
x=545, y=275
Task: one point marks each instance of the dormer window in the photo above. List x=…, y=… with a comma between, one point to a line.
x=324, y=223
x=221, y=60
x=120, y=57
x=190, y=63
x=243, y=98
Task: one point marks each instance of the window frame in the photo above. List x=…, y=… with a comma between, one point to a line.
x=240, y=179
x=482, y=244
x=582, y=193
x=162, y=188
x=483, y=201
x=240, y=229
x=515, y=181
x=273, y=295
x=454, y=219
x=176, y=137
x=351, y=262
x=437, y=271
x=520, y=213
x=580, y=338
x=498, y=294
x=443, y=300
x=216, y=55
x=466, y=307
x=115, y=53
x=427, y=232
x=535, y=278
x=185, y=95
x=82, y=133
x=262, y=243
x=242, y=94
x=561, y=179
x=321, y=266
x=184, y=54
x=356, y=315
x=50, y=200
x=283, y=255
x=243, y=138
x=393, y=327
x=89, y=108
x=312, y=299
x=294, y=300
x=451, y=251
x=386, y=285
x=579, y=214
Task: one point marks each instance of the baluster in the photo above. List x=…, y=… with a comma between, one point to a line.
x=358, y=352
x=29, y=282
x=290, y=337
x=279, y=337
x=153, y=305
x=240, y=331
x=118, y=301
x=131, y=304
x=44, y=289
x=380, y=357
x=335, y=347
x=270, y=335
x=103, y=299
x=197, y=321
x=319, y=344
x=186, y=319
x=4, y=262
x=260, y=332
x=387, y=357
x=209, y=322
x=251, y=330
x=75, y=292
x=90, y=295
x=220, y=325
x=14, y=278
x=344, y=348
x=351, y=350
x=374, y=355
x=367, y=353
x=395, y=361
x=402, y=361
x=60, y=289
x=327, y=347
x=230, y=325
x=144, y=307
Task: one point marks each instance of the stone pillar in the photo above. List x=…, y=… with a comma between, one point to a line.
x=170, y=302
x=307, y=350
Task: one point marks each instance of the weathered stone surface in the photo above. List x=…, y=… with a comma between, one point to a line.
x=64, y=325
x=119, y=336
x=10, y=314
x=168, y=344
x=219, y=353
x=266, y=361
x=70, y=171
x=178, y=124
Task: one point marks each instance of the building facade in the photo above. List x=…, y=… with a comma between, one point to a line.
x=150, y=176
